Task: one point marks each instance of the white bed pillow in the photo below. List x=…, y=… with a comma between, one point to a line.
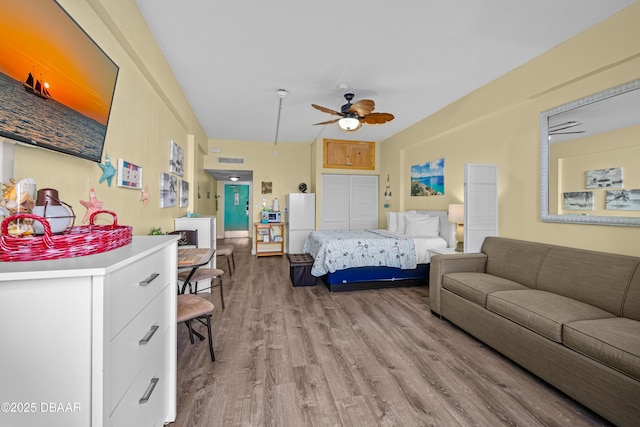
x=422, y=226
x=402, y=224
x=392, y=221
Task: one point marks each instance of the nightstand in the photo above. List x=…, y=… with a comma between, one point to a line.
x=444, y=251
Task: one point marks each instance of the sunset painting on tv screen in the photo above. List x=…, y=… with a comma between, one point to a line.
x=56, y=84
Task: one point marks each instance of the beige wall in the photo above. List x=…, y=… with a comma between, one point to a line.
x=149, y=110
x=499, y=124
x=286, y=165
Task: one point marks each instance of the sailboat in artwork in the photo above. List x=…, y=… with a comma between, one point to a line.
x=36, y=88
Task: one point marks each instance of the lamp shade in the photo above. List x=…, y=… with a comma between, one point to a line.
x=456, y=213
x=349, y=123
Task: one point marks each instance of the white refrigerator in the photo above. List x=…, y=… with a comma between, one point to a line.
x=301, y=220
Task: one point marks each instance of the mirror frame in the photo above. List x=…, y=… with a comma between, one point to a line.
x=545, y=216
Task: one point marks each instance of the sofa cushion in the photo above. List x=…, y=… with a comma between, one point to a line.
x=516, y=260
x=476, y=286
x=542, y=312
x=631, y=308
x=615, y=342
x=595, y=278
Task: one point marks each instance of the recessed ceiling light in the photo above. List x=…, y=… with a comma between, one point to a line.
x=234, y=178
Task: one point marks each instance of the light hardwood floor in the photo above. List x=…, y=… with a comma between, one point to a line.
x=304, y=356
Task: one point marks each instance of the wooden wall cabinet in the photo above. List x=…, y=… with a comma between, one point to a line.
x=269, y=243
x=349, y=154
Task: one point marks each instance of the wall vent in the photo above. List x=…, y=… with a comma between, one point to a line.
x=234, y=160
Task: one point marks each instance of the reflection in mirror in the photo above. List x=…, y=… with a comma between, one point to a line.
x=590, y=159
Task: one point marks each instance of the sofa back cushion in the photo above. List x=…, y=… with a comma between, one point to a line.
x=596, y=278
x=515, y=260
x=631, y=307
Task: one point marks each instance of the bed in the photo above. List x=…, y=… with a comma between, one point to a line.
x=365, y=259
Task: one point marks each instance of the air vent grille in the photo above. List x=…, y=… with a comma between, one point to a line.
x=233, y=160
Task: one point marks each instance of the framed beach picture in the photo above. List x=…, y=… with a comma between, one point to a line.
x=428, y=179
x=184, y=193
x=623, y=200
x=604, y=178
x=578, y=200
x=168, y=190
x=176, y=161
x=129, y=175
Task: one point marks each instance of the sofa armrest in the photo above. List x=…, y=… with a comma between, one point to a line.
x=454, y=263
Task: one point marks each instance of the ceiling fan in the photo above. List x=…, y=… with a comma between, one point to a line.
x=352, y=116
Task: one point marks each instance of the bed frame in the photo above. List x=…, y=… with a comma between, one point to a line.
x=384, y=277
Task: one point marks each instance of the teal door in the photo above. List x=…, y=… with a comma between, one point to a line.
x=236, y=207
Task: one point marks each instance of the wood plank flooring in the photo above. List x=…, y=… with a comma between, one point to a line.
x=304, y=356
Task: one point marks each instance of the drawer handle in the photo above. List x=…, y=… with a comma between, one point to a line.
x=147, y=393
x=147, y=337
x=149, y=279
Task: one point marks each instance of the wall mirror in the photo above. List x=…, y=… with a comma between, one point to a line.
x=590, y=159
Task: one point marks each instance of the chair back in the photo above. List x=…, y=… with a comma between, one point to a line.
x=187, y=237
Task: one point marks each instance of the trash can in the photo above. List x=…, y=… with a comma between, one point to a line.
x=300, y=270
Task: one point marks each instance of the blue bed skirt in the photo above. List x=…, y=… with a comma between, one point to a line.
x=376, y=277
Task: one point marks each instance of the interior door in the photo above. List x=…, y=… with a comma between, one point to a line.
x=236, y=210
x=480, y=205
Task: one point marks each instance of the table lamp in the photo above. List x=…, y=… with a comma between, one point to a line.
x=456, y=215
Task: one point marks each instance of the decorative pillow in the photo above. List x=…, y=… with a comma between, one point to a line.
x=392, y=221
x=422, y=226
x=402, y=224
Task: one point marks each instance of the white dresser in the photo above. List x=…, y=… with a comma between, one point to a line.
x=90, y=341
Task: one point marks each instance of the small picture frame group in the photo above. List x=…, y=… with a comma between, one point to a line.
x=129, y=175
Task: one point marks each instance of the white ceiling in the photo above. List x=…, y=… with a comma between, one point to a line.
x=412, y=57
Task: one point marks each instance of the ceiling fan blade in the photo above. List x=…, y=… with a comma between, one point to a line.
x=377, y=118
x=328, y=122
x=363, y=107
x=326, y=110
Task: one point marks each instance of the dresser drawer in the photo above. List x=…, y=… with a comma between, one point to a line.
x=132, y=287
x=131, y=411
x=128, y=355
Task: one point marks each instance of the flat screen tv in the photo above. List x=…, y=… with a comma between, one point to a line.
x=56, y=83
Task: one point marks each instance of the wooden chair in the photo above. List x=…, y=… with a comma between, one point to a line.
x=227, y=252
x=192, y=307
x=190, y=238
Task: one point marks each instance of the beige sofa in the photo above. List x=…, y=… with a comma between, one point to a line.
x=570, y=316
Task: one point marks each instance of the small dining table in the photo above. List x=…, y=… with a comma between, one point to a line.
x=193, y=258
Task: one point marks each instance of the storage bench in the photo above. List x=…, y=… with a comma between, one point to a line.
x=300, y=270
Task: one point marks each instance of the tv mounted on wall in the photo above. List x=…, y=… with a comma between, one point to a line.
x=56, y=83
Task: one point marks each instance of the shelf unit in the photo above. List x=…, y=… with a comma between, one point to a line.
x=265, y=243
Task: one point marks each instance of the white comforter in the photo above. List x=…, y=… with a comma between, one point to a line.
x=341, y=249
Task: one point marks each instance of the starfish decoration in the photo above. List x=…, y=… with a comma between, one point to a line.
x=145, y=196
x=92, y=205
x=108, y=171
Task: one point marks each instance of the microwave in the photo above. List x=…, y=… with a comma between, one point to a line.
x=271, y=217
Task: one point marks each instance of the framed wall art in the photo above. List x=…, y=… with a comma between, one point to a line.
x=623, y=200
x=578, y=200
x=168, y=190
x=428, y=179
x=176, y=161
x=184, y=193
x=129, y=175
x=604, y=178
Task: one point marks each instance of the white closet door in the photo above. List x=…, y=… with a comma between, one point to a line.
x=363, y=213
x=480, y=205
x=349, y=202
x=335, y=202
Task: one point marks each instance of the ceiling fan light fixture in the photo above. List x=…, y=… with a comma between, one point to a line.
x=349, y=124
